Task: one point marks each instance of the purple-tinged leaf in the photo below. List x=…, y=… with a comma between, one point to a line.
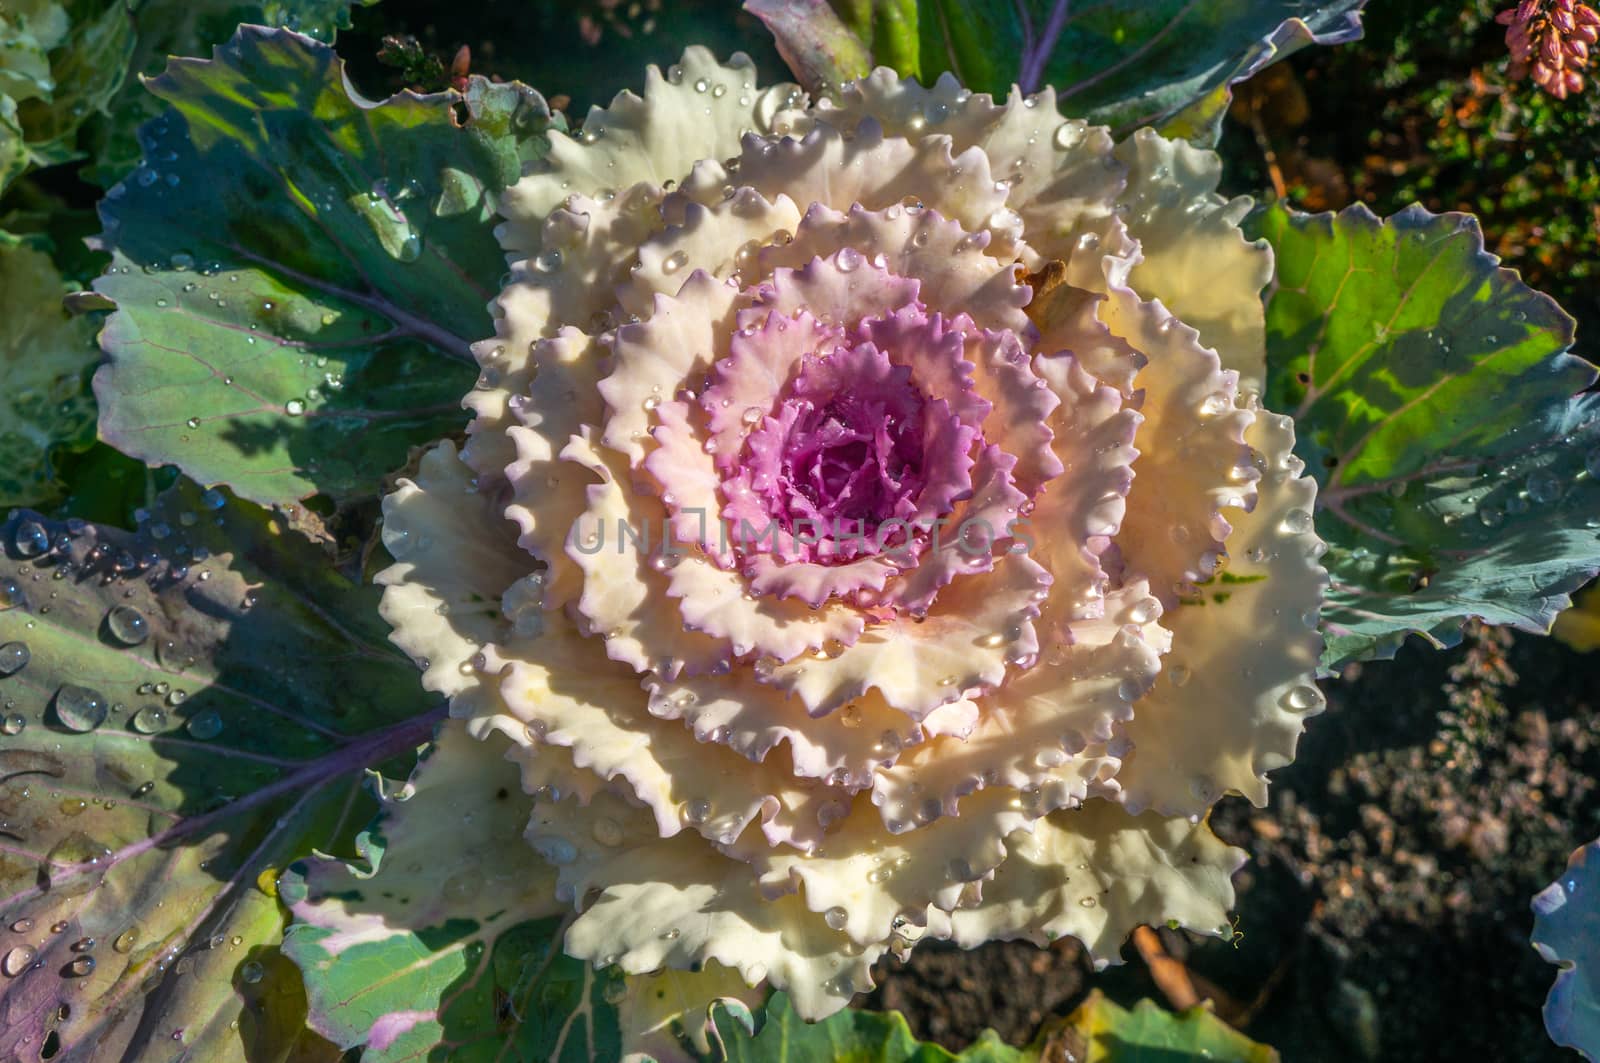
x=186, y=711
x=1123, y=63
x=1566, y=931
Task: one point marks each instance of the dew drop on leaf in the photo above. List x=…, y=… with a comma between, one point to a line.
x=17, y=960
x=206, y=725
x=14, y=656
x=13, y=723
x=149, y=719
x=79, y=708
x=127, y=625
x=31, y=539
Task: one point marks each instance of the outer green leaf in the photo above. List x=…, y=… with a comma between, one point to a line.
x=137, y=910
x=45, y=356
x=849, y=1036
x=1097, y=1032
x=88, y=68
x=13, y=153
x=1433, y=397
x=60, y=64
x=448, y=945
x=1123, y=63
x=298, y=271
x=1566, y=931
x=1150, y=1034
x=29, y=30
x=165, y=28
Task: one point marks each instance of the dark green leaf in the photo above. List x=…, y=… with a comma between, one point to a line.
x=45, y=357
x=165, y=28
x=88, y=68
x=1435, y=401
x=1124, y=63
x=299, y=272
x=60, y=65
x=186, y=711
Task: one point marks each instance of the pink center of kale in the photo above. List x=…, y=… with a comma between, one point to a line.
x=846, y=446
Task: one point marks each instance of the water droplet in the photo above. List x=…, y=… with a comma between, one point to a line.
x=696, y=812
x=127, y=625
x=1490, y=516
x=123, y=942
x=1179, y=674
x=14, y=656
x=205, y=725
x=1297, y=522
x=81, y=967
x=1144, y=611
x=1069, y=136
x=674, y=262
x=294, y=407
x=1302, y=699
x=22, y=926
x=17, y=960
x=213, y=499
x=848, y=260
x=149, y=719
x=250, y=972
x=752, y=416
x=13, y=723
x=31, y=539
x=11, y=595
x=79, y=708
x=1088, y=902
x=1005, y=218
x=1543, y=486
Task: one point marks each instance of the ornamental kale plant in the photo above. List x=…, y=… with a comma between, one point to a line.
x=820, y=522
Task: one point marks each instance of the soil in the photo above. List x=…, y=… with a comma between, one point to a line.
x=1385, y=910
